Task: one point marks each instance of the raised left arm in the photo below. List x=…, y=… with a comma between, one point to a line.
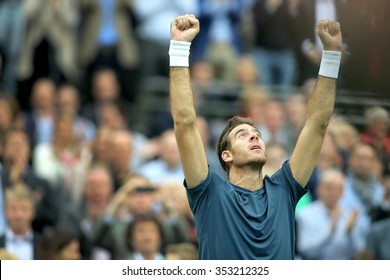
x=321, y=104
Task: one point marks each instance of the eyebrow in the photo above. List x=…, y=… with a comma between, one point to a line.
x=245, y=129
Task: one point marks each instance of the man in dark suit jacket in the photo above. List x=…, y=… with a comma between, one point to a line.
x=16, y=169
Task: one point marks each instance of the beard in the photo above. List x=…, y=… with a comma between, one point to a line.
x=252, y=164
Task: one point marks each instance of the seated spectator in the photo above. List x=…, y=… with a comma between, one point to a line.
x=17, y=169
x=107, y=39
x=363, y=190
x=211, y=152
x=100, y=147
x=139, y=196
x=167, y=166
x=296, y=108
x=68, y=102
x=39, y=119
x=376, y=133
x=58, y=245
x=20, y=238
x=145, y=238
x=346, y=136
x=276, y=156
x=105, y=89
x=63, y=161
x=85, y=220
x=327, y=230
x=175, y=211
x=253, y=102
x=120, y=158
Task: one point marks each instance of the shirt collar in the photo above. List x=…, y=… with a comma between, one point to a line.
x=10, y=236
x=138, y=256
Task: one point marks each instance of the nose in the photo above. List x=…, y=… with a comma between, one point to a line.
x=254, y=136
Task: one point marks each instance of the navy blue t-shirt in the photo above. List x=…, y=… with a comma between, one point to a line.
x=235, y=223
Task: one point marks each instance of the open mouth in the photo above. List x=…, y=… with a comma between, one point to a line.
x=255, y=147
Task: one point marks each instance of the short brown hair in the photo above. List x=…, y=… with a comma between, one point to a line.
x=224, y=142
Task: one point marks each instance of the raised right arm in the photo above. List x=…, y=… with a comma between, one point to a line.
x=192, y=154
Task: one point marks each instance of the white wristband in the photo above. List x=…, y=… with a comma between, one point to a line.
x=330, y=64
x=179, y=52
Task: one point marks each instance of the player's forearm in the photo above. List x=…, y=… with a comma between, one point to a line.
x=321, y=103
x=181, y=96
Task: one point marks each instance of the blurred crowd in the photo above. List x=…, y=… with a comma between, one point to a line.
x=79, y=181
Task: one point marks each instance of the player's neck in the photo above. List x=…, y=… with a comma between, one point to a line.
x=246, y=178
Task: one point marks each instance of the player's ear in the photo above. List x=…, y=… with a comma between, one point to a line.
x=227, y=156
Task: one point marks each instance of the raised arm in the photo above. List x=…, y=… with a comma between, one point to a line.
x=192, y=154
x=321, y=104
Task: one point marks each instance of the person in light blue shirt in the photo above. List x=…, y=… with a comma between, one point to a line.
x=19, y=237
x=326, y=230
x=248, y=216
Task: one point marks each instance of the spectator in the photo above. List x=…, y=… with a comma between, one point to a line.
x=275, y=123
x=167, y=167
x=276, y=155
x=346, y=136
x=362, y=190
x=105, y=89
x=68, y=102
x=247, y=71
x=220, y=41
x=100, y=147
x=153, y=17
x=63, y=161
x=39, y=119
x=295, y=106
x=19, y=238
x=211, y=152
x=253, y=103
x=17, y=169
x=139, y=196
x=58, y=245
x=85, y=220
x=145, y=238
x=107, y=39
x=50, y=38
x=327, y=230
x=274, y=48
x=376, y=133
x=121, y=154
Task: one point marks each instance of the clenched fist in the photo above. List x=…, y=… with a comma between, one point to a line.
x=184, y=28
x=330, y=34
